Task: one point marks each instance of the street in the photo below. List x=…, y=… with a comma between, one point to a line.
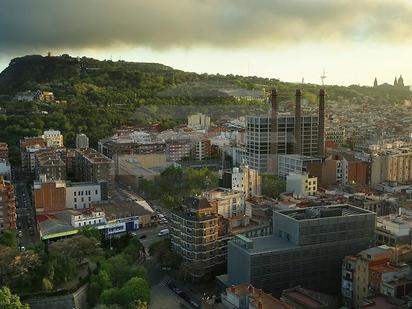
x=26, y=219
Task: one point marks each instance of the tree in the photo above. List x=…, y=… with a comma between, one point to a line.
x=395, y=83
x=272, y=185
x=15, y=265
x=8, y=239
x=375, y=83
x=135, y=289
x=10, y=301
x=400, y=81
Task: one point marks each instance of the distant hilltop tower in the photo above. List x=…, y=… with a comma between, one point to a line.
x=400, y=81
x=395, y=83
x=48, y=54
x=375, y=83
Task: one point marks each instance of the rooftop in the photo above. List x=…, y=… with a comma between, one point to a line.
x=257, y=296
x=93, y=156
x=121, y=210
x=320, y=212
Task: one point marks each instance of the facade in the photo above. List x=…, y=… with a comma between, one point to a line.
x=49, y=164
x=197, y=238
x=258, y=135
x=245, y=296
x=177, y=150
x=294, y=163
x=198, y=121
x=201, y=150
x=242, y=179
x=227, y=203
x=5, y=169
x=53, y=138
x=81, y=195
x=135, y=142
x=49, y=196
x=306, y=248
x=4, y=151
x=82, y=141
x=7, y=206
x=336, y=135
x=28, y=147
x=93, y=218
x=92, y=166
x=301, y=184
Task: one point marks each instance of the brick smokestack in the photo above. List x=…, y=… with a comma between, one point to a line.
x=273, y=145
x=298, y=122
x=321, y=126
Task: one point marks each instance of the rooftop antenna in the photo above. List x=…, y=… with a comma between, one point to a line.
x=323, y=77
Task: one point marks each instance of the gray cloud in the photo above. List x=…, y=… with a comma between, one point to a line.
x=75, y=24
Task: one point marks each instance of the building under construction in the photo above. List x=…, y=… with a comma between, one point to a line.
x=294, y=134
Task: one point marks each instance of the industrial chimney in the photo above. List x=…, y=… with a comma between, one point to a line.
x=298, y=123
x=273, y=146
x=321, y=126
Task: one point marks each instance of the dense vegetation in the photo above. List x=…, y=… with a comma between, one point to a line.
x=95, y=96
x=175, y=184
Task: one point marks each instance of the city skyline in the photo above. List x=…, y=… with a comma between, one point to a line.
x=353, y=41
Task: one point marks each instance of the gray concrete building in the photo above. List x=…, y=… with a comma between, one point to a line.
x=306, y=248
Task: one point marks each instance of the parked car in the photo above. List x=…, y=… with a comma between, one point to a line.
x=164, y=232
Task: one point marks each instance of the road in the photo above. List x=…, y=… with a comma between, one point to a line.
x=26, y=219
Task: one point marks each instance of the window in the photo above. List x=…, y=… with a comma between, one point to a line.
x=75, y=200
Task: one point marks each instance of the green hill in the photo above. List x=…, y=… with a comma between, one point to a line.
x=96, y=96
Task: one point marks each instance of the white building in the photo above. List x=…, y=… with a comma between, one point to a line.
x=198, y=121
x=228, y=203
x=301, y=184
x=243, y=179
x=79, y=219
x=82, y=141
x=80, y=195
x=53, y=138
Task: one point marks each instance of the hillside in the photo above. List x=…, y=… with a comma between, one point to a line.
x=96, y=96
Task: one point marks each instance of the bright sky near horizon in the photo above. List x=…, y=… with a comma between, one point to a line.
x=353, y=40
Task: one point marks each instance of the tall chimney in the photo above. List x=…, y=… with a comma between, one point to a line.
x=321, y=126
x=273, y=146
x=298, y=122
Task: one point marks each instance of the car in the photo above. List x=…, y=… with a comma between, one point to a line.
x=31, y=233
x=20, y=233
x=164, y=232
x=22, y=248
x=143, y=236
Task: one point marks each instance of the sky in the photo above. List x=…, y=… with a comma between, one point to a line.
x=354, y=41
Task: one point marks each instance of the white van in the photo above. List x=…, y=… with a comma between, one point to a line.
x=163, y=232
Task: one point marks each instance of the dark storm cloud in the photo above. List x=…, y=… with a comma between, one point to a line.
x=76, y=24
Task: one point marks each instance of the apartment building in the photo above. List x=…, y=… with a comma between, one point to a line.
x=5, y=169
x=92, y=166
x=243, y=179
x=301, y=184
x=258, y=132
x=81, y=195
x=178, y=149
x=82, y=141
x=53, y=138
x=201, y=150
x=7, y=206
x=28, y=147
x=48, y=163
x=306, y=248
x=245, y=296
x=4, y=151
x=198, y=121
x=335, y=134
x=197, y=238
x=135, y=142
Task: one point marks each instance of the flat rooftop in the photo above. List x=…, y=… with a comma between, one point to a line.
x=121, y=210
x=320, y=212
